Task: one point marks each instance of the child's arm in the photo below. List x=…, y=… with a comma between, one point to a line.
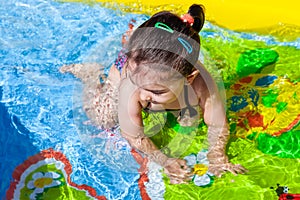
x=216, y=120
x=132, y=129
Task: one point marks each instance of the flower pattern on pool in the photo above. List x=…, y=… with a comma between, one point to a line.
x=47, y=176
x=199, y=164
x=40, y=181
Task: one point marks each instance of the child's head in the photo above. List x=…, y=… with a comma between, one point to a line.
x=166, y=43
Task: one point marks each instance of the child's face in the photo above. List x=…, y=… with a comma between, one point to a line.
x=160, y=92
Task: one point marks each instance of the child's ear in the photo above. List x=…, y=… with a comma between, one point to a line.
x=190, y=78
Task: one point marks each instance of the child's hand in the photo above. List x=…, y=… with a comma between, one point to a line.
x=219, y=168
x=218, y=164
x=177, y=171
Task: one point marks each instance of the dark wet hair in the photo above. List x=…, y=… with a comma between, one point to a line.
x=151, y=45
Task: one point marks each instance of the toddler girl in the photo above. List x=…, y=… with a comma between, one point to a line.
x=158, y=71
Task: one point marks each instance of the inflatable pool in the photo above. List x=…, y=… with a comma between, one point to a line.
x=49, y=150
x=232, y=14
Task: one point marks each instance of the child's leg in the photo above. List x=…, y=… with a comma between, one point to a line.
x=99, y=100
x=89, y=73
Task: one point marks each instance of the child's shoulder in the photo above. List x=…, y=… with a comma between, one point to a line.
x=199, y=85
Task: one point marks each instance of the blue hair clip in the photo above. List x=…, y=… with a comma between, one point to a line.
x=163, y=27
x=186, y=45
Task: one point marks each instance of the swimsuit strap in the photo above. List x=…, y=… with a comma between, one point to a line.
x=121, y=60
x=193, y=112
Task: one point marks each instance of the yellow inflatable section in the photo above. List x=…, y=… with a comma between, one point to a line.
x=232, y=14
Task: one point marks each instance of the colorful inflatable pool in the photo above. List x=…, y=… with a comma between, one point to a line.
x=49, y=150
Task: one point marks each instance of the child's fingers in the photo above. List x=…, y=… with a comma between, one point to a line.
x=236, y=169
x=240, y=169
x=174, y=180
x=232, y=170
x=178, y=171
x=187, y=172
x=183, y=164
x=178, y=180
x=180, y=174
x=183, y=174
x=218, y=170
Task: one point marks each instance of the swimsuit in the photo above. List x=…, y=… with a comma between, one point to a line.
x=192, y=111
x=121, y=60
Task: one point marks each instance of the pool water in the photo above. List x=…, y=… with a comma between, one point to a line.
x=40, y=108
x=37, y=108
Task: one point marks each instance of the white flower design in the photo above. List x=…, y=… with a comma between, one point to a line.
x=199, y=164
x=40, y=181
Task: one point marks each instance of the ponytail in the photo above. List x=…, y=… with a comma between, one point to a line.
x=197, y=12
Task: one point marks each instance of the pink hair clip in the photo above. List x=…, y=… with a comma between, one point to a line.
x=188, y=18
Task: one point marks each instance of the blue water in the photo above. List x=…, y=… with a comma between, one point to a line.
x=38, y=106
